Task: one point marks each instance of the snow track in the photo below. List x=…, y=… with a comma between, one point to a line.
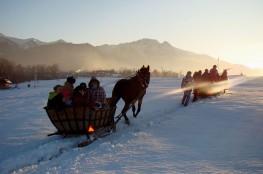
x=218, y=135
x=41, y=154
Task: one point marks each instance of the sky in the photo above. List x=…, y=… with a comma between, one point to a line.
x=229, y=29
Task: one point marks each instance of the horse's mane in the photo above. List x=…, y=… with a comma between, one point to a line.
x=133, y=76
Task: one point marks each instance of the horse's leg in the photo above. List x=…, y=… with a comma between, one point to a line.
x=127, y=121
x=184, y=97
x=139, y=106
x=124, y=111
x=133, y=110
x=114, y=101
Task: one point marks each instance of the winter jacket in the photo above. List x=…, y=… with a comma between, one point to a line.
x=67, y=92
x=97, y=95
x=79, y=99
x=214, y=76
x=186, y=82
x=55, y=101
x=197, y=77
x=224, y=76
x=206, y=77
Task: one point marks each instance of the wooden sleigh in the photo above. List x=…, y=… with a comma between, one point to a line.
x=81, y=120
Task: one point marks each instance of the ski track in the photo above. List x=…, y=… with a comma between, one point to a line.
x=147, y=139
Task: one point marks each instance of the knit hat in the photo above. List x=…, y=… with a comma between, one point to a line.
x=71, y=80
x=56, y=87
x=92, y=80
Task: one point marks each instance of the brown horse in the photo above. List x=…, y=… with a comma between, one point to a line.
x=131, y=90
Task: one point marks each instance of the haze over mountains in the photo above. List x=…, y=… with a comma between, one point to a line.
x=129, y=55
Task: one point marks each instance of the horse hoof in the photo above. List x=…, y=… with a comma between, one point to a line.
x=127, y=122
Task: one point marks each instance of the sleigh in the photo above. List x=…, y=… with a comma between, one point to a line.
x=5, y=83
x=213, y=89
x=81, y=120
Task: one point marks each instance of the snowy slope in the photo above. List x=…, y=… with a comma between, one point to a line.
x=218, y=135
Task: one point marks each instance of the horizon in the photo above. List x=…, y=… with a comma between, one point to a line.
x=230, y=30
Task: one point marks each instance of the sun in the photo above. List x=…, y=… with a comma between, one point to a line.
x=255, y=65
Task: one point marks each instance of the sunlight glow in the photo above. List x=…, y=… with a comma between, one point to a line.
x=213, y=88
x=78, y=71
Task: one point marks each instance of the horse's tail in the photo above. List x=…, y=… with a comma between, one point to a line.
x=116, y=95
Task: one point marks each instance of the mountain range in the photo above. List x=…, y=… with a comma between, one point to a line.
x=130, y=55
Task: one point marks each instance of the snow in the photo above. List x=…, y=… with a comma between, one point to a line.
x=218, y=135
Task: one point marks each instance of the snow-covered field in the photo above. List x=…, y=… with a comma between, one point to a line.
x=217, y=135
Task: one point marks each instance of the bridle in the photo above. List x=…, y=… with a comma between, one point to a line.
x=142, y=80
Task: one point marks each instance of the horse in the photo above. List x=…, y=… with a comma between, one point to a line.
x=130, y=91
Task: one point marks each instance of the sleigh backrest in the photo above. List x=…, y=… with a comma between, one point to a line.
x=76, y=120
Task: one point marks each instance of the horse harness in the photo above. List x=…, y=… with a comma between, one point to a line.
x=144, y=85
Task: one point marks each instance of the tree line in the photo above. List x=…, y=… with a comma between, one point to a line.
x=19, y=73
x=128, y=72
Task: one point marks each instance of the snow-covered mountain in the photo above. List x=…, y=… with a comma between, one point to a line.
x=22, y=43
x=69, y=56
x=26, y=43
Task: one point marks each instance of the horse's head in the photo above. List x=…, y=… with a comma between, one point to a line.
x=144, y=74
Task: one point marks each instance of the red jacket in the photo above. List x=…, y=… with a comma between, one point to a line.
x=214, y=76
x=80, y=100
x=67, y=91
